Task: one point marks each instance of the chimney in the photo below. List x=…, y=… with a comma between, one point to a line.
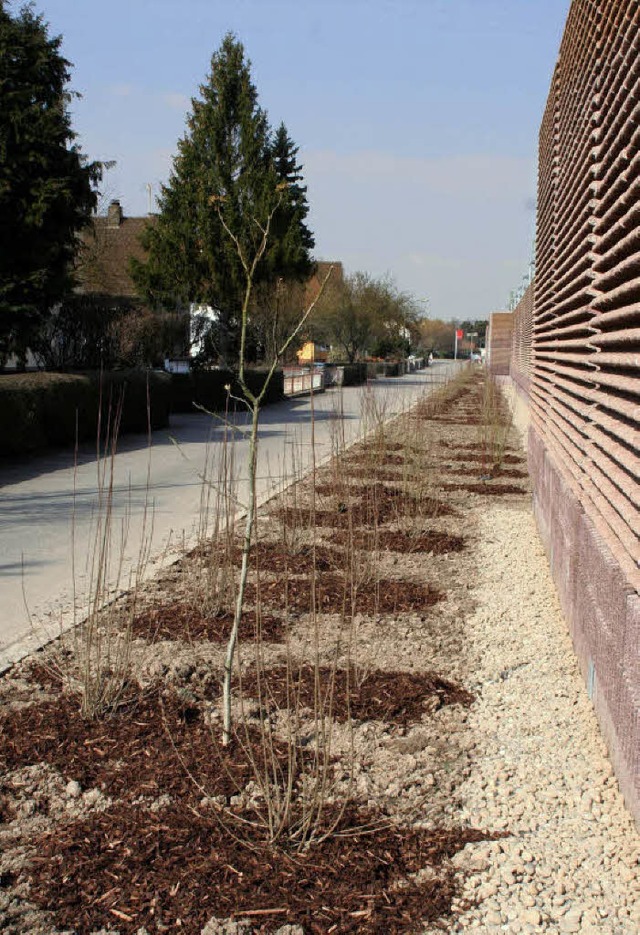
x=114, y=214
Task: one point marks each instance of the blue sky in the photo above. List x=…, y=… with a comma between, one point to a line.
x=417, y=120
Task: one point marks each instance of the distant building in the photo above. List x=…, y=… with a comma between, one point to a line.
x=107, y=246
x=312, y=352
x=318, y=277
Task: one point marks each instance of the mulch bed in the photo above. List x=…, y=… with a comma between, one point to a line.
x=474, y=455
x=175, y=869
x=378, y=459
x=388, y=503
x=378, y=504
x=434, y=406
x=276, y=559
x=381, y=474
x=47, y=676
x=186, y=623
x=489, y=490
x=388, y=540
x=333, y=595
x=143, y=748
x=380, y=448
x=491, y=473
x=337, y=489
x=399, y=698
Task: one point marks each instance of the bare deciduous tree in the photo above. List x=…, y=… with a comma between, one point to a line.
x=254, y=404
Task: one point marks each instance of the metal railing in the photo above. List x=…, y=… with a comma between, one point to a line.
x=303, y=380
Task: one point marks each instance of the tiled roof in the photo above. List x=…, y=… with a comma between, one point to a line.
x=107, y=246
x=103, y=259
x=322, y=268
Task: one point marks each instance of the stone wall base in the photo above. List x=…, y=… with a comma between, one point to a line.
x=602, y=612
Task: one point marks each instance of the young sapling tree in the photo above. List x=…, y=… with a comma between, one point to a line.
x=254, y=401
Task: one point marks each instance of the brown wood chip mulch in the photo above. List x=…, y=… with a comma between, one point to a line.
x=176, y=869
x=377, y=502
x=388, y=540
x=333, y=595
x=276, y=559
x=489, y=490
x=48, y=677
x=466, y=455
x=374, y=472
x=376, y=447
x=376, y=458
x=185, y=623
x=337, y=489
x=399, y=698
x=388, y=503
x=143, y=748
x=491, y=473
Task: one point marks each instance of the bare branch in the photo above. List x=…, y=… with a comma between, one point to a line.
x=306, y=314
x=294, y=334
x=235, y=240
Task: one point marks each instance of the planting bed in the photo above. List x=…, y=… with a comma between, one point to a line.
x=398, y=540
x=136, y=820
x=185, y=623
x=331, y=593
x=352, y=720
x=393, y=697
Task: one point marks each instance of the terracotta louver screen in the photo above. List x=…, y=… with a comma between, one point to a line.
x=585, y=386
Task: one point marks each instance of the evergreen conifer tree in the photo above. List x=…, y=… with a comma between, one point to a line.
x=46, y=187
x=289, y=256
x=226, y=160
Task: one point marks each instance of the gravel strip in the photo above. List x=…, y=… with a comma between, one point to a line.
x=570, y=863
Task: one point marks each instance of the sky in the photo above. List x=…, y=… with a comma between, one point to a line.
x=417, y=120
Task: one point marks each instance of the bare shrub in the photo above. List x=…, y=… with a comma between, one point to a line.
x=94, y=658
x=495, y=426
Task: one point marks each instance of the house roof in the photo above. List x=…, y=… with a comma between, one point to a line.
x=106, y=247
x=322, y=268
x=110, y=241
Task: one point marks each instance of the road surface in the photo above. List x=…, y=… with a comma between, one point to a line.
x=48, y=507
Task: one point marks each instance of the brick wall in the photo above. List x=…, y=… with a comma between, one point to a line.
x=499, y=342
x=580, y=359
x=522, y=350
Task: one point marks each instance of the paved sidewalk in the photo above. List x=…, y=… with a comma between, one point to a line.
x=47, y=510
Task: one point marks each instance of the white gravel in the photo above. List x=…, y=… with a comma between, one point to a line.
x=570, y=863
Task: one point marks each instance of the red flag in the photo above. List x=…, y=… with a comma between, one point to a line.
x=459, y=334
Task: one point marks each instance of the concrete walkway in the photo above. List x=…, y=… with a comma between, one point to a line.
x=49, y=509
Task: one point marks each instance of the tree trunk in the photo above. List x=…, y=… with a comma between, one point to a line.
x=246, y=546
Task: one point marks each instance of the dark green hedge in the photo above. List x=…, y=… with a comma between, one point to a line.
x=355, y=374
x=41, y=409
x=394, y=368
x=206, y=388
